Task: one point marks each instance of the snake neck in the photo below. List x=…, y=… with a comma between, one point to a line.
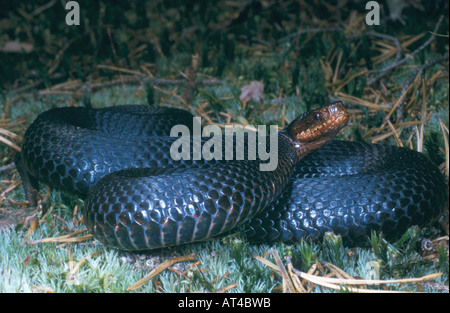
x=290, y=151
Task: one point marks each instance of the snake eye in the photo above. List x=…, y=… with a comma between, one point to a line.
x=318, y=117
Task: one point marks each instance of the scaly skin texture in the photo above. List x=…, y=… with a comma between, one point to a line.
x=157, y=203
x=352, y=188
x=138, y=197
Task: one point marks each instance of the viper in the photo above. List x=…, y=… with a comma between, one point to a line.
x=137, y=197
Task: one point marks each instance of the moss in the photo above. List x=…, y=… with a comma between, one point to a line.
x=236, y=45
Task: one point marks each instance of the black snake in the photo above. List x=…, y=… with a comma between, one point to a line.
x=138, y=197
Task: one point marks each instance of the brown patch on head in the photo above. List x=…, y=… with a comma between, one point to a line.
x=319, y=126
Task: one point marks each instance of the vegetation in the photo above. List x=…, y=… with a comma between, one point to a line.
x=198, y=55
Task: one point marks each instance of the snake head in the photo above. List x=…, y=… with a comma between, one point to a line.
x=319, y=126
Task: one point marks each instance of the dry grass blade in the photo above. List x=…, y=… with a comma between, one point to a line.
x=10, y=143
x=337, y=271
x=120, y=69
x=317, y=280
x=399, y=101
x=387, y=69
x=10, y=134
x=370, y=105
x=397, y=49
x=342, y=282
x=226, y=288
x=268, y=263
x=160, y=268
x=64, y=239
x=394, y=132
x=286, y=279
x=349, y=79
x=295, y=279
x=9, y=189
x=345, y=283
x=73, y=269
x=294, y=282
x=6, y=110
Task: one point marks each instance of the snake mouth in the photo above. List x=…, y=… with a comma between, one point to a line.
x=319, y=125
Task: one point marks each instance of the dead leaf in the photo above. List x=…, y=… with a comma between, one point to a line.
x=253, y=91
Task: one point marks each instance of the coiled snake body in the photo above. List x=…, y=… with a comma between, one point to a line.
x=138, y=197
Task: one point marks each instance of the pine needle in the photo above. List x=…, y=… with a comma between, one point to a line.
x=166, y=264
x=343, y=282
x=286, y=279
x=364, y=103
x=9, y=142
x=65, y=238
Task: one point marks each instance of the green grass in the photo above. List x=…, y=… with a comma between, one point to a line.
x=222, y=262
x=299, y=74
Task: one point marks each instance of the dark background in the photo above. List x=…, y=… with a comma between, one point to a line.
x=132, y=33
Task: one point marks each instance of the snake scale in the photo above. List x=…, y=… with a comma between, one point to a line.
x=137, y=197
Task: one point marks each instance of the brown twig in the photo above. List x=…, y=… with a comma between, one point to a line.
x=344, y=284
x=64, y=239
x=189, y=87
x=160, y=268
x=10, y=143
x=286, y=279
